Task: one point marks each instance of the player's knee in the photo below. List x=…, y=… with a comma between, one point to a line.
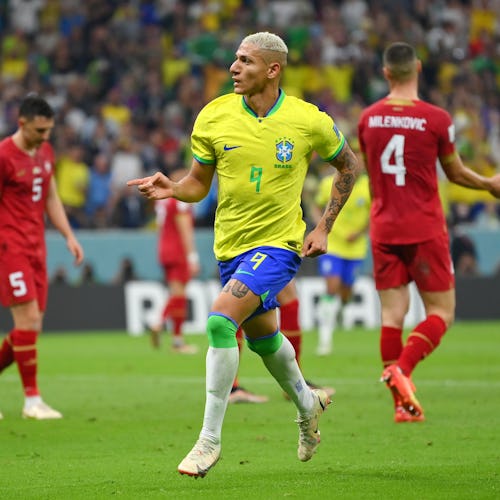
x=32, y=320
x=221, y=331
x=394, y=320
x=266, y=345
x=448, y=319
x=446, y=316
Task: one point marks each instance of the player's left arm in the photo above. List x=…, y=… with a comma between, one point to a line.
x=57, y=215
x=458, y=173
x=347, y=170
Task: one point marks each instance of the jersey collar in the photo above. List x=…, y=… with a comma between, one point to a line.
x=274, y=107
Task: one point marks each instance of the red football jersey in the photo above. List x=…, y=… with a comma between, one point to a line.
x=24, y=185
x=170, y=246
x=402, y=141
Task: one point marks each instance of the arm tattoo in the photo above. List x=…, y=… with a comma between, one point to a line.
x=347, y=166
x=237, y=288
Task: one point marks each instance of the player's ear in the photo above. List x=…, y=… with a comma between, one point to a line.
x=419, y=66
x=273, y=70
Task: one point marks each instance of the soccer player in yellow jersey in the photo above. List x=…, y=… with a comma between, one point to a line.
x=347, y=248
x=258, y=141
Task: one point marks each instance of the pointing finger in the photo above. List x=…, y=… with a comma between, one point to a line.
x=137, y=182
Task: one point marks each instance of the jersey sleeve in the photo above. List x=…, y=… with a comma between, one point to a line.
x=201, y=144
x=446, y=141
x=327, y=140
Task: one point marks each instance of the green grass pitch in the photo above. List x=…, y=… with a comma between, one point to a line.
x=131, y=413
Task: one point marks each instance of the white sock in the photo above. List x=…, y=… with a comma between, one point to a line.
x=221, y=370
x=284, y=368
x=30, y=401
x=328, y=308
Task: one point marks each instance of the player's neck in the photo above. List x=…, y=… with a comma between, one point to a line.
x=405, y=91
x=262, y=102
x=19, y=141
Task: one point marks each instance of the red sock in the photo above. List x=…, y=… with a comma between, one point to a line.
x=424, y=338
x=25, y=354
x=176, y=310
x=6, y=353
x=289, y=325
x=164, y=314
x=239, y=339
x=391, y=344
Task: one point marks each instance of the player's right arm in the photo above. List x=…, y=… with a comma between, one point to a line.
x=58, y=217
x=191, y=188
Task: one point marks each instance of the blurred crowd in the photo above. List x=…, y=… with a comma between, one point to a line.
x=128, y=77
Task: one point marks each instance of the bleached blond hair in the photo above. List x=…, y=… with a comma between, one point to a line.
x=269, y=42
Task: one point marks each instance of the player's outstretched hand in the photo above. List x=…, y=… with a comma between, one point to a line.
x=154, y=187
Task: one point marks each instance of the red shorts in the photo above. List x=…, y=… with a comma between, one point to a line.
x=177, y=271
x=22, y=279
x=428, y=263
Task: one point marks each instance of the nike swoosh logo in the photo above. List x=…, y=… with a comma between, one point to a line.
x=228, y=148
x=240, y=271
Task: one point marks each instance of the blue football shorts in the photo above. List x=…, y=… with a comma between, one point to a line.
x=264, y=270
x=331, y=265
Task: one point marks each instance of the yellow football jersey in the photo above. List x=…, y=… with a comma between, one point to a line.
x=261, y=163
x=353, y=218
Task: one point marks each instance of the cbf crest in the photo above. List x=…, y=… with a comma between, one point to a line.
x=284, y=149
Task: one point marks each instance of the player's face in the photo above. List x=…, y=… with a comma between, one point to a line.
x=249, y=71
x=36, y=130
